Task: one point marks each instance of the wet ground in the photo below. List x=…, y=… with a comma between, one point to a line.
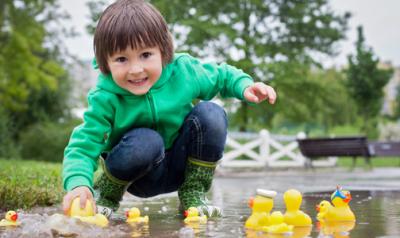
x=376, y=204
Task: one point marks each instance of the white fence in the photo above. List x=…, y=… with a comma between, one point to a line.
x=265, y=150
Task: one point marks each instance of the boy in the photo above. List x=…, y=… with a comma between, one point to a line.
x=140, y=118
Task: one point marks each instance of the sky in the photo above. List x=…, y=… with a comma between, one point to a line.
x=380, y=19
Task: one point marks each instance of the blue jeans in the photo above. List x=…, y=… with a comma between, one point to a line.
x=140, y=156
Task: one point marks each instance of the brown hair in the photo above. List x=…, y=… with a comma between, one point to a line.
x=133, y=23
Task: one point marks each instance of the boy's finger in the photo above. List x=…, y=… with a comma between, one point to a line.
x=264, y=91
x=82, y=201
x=91, y=200
x=66, y=204
x=271, y=96
x=254, y=98
x=94, y=206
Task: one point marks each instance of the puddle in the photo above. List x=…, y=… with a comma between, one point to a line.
x=375, y=203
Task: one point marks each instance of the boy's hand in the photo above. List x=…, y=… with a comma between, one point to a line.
x=84, y=193
x=259, y=92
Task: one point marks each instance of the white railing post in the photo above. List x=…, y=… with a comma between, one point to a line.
x=301, y=135
x=264, y=146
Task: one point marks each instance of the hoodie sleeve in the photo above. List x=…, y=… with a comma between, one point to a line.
x=87, y=142
x=212, y=79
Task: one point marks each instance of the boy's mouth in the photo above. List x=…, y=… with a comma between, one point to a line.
x=138, y=82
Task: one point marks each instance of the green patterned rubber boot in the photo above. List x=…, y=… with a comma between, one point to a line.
x=108, y=192
x=198, y=179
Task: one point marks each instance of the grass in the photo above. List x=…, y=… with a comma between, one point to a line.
x=376, y=162
x=25, y=184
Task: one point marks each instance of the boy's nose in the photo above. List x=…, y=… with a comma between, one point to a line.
x=135, y=69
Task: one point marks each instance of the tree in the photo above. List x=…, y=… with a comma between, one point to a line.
x=33, y=83
x=396, y=113
x=365, y=84
x=262, y=37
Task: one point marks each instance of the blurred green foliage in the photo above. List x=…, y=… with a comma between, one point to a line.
x=397, y=104
x=34, y=86
x=25, y=184
x=46, y=140
x=273, y=41
x=365, y=84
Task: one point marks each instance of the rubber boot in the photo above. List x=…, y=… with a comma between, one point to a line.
x=108, y=192
x=198, y=179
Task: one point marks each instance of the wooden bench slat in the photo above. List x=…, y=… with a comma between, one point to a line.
x=338, y=146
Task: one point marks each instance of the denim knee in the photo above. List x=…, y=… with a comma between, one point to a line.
x=211, y=128
x=137, y=153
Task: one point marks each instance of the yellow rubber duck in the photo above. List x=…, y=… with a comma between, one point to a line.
x=261, y=207
x=339, y=211
x=277, y=224
x=133, y=216
x=86, y=214
x=340, y=200
x=323, y=207
x=293, y=215
x=11, y=219
x=192, y=215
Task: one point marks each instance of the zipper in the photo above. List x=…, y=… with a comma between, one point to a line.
x=153, y=110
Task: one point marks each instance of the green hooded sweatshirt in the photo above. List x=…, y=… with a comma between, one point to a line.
x=113, y=111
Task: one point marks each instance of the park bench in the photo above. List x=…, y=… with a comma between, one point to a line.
x=355, y=146
x=383, y=149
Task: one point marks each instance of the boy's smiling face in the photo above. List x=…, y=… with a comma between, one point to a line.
x=136, y=70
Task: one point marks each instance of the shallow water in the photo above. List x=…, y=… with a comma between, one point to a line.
x=376, y=204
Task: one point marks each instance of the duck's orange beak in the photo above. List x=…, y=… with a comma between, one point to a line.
x=348, y=198
x=251, y=202
x=318, y=225
x=186, y=213
x=14, y=217
x=317, y=207
x=127, y=214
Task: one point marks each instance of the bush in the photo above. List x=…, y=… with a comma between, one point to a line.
x=8, y=147
x=46, y=141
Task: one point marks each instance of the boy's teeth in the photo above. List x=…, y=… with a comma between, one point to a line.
x=139, y=80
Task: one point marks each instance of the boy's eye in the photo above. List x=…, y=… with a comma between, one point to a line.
x=146, y=54
x=120, y=59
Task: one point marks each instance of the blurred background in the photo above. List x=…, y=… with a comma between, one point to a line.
x=335, y=65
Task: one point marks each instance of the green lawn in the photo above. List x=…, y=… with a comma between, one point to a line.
x=376, y=162
x=25, y=184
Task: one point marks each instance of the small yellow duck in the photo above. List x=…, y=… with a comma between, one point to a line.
x=192, y=215
x=293, y=215
x=86, y=214
x=277, y=224
x=339, y=211
x=133, y=216
x=323, y=207
x=261, y=207
x=11, y=218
